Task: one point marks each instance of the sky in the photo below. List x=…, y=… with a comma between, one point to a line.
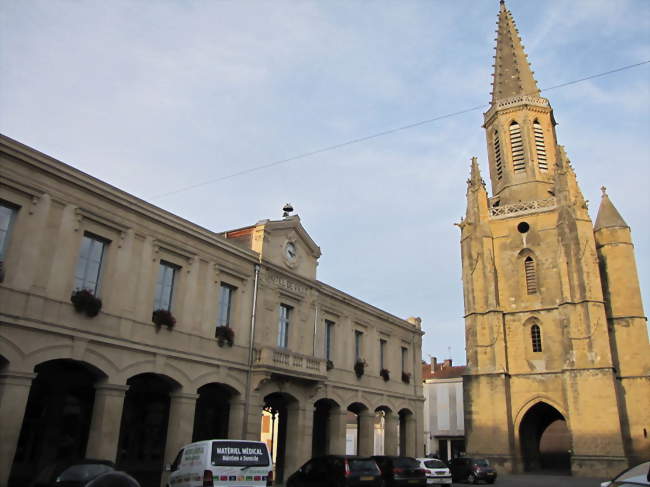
x=157, y=96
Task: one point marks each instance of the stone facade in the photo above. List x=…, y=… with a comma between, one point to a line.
x=444, y=420
x=556, y=334
x=112, y=384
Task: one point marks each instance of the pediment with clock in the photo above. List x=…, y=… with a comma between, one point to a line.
x=284, y=242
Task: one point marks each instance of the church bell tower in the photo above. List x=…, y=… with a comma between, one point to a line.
x=557, y=347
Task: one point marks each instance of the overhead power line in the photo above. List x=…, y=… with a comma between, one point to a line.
x=378, y=134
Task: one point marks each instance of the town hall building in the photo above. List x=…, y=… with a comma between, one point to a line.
x=127, y=332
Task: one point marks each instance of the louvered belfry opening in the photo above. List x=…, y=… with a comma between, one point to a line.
x=517, y=148
x=539, y=146
x=497, y=155
x=536, y=337
x=531, y=278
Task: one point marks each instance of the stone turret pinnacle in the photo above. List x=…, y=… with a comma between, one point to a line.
x=475, y=175
x=512, y=73
x=608, y=215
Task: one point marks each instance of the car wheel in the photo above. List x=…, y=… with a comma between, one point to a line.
x=471, y=478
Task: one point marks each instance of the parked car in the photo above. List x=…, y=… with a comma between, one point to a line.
x=472, y=470
x=637, y=475
x=400, y=471
x=437, y=471
x=74, y=473
x=114, y=479
x=337, y=471
x=216, y=462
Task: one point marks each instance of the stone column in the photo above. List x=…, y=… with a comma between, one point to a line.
x=391, y=437
x=409, y=436
x=236, y=419
x=336, y=431
x=366, y=433
x=14, y=392
x=300, y=422
x=181, y=423
x=104, y=433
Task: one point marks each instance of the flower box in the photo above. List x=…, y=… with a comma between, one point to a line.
x=385, y=374
x=163, y=317
x=359, y=367
x=86, y=302
x=406, y=377
x=330, y=365
x=225, y=335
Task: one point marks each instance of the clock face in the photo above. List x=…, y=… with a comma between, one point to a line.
x=290, y=251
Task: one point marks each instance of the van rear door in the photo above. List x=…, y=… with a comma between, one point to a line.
x=240, y=463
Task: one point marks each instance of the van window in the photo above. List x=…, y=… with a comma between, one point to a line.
x=174, y=466
x=239, y=454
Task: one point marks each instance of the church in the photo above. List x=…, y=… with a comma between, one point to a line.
x=558, y=362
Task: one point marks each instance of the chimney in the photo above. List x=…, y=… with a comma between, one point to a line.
x=434, y=364
x=447, y=363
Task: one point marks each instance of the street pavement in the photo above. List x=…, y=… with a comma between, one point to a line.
x=540, y=481
x=528, y=480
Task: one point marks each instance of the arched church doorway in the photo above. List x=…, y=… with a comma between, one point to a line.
x=57, y=417
x=545, y=440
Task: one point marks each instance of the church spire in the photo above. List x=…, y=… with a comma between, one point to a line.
x=608, y=215
x=512, y=73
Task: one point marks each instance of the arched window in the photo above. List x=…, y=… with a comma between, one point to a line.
x=497, y=155
x=531, y=275
x=536, y=338
x=517, y=147
x=539, y=146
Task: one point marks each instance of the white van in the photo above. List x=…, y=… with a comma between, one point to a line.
x=222, y=463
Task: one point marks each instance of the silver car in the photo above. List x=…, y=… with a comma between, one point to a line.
x=635, y=476
x=437, y=471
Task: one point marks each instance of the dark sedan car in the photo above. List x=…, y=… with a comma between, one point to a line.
x=401, y=471
x=72, y=473
x=472, y=470
x=337, y=471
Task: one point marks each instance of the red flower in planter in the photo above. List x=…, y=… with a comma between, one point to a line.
x=86, y=302
x=224, y=335
x=385, y=373
x=162, y=317
x=359, y=367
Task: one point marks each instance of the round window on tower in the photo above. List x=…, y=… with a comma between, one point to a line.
x=523, y=227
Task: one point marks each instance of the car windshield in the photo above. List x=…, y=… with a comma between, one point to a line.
x=481, y=463
x=639, y=470
x=434, y=464
x=362, y=464
x=405, y=462
x=239, y=454
x=83, y=472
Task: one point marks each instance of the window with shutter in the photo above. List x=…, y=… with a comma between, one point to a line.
x=517, y=147
x=539, y=146
x=497, y=155
x=531, y=277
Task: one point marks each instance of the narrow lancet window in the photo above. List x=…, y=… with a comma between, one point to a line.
x=497, y=155
x=536, y=337
x=531, y=276
x=517, y=147
x=539, y=146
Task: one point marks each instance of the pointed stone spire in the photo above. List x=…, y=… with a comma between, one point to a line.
x=608, y=215
x=512, y=73
x=475, y=175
